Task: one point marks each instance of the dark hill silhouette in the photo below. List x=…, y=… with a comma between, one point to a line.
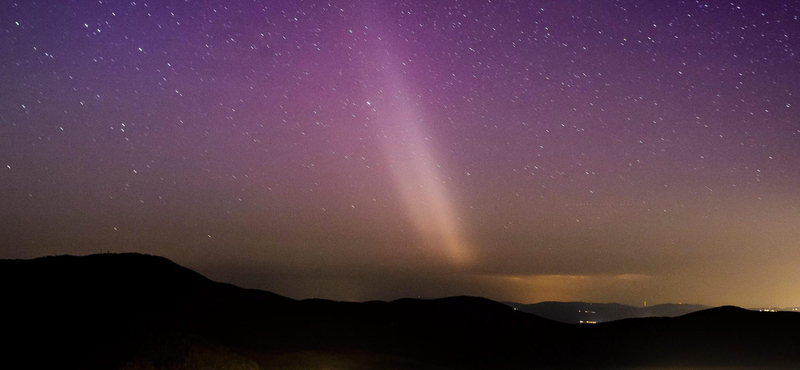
x=135, y=311
x=577, y=312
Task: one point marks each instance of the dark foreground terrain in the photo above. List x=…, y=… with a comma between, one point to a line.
x=135, y=311
x=583, y=312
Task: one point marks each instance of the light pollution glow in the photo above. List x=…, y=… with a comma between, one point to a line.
x=376, y=150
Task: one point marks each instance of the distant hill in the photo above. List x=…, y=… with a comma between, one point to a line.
x=583, y=312
x=131, y=311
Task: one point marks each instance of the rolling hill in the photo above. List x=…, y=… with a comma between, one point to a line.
x=132, y=311
x=583, y=312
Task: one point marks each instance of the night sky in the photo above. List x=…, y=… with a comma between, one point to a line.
x=607, y=151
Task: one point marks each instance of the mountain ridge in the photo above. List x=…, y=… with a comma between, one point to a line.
x=583, y=312
x=136, y=311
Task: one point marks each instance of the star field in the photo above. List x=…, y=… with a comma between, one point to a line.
x=544, y=150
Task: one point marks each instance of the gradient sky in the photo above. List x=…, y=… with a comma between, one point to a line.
x=607, y=151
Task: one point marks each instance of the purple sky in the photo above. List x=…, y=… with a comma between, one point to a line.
x=547, y=150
